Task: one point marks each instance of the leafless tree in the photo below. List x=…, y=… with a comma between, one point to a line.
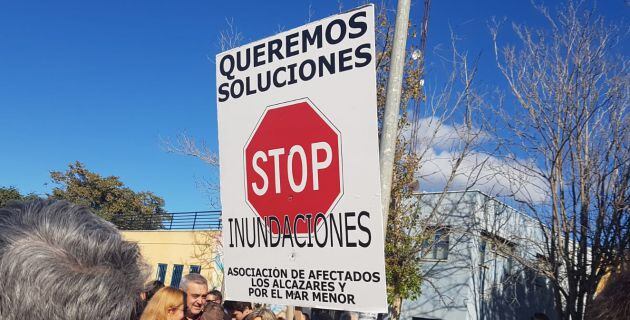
x=569, y=135
x=440, y=148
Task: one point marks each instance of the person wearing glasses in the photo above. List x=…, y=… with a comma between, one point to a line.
x=215, y=296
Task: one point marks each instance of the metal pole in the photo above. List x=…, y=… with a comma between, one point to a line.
x=392, y=106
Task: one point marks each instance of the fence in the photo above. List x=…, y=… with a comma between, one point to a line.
x=193, y=220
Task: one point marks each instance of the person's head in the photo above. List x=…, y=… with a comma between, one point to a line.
x=213, y=311
x=215, y=296
x=323, y=316
x=238, y=309
x=540, y=316
x=151, y=288
x=196, y=288
x=79, y=262
x=262, y=314
x=166, y=304
x=614, y=301
x=349, y=315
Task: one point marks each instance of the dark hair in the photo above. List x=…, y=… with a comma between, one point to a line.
x=540, y=316
x=217, y=293
x=152, y=287
x=613, y=302
x=323, y=315
x=213, y=311
x=64, y=252
x=241, y=306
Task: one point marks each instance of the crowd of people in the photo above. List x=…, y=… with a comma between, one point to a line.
x=59, y=261
x=193, y=301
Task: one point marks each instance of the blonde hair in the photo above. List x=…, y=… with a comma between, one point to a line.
x=264, y=314
x=163, y=301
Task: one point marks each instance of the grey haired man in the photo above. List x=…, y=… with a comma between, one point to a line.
x=59, y=261
x=196, y=288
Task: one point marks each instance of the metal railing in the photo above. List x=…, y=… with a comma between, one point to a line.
x=193, y=220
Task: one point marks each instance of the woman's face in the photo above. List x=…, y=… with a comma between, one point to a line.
x=176, y=313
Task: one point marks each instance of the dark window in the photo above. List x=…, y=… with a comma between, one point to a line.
x=177, y=275
x=195, y=269
x=161, y=272
x=435, y=247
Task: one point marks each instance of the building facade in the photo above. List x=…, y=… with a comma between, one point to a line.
x=474, y=261
x=171, y=254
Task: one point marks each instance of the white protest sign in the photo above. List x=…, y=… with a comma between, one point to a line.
x=300, y=186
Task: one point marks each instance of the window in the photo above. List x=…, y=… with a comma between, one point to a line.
x=195, y=269
x=177, y=275
x=161, y=272
x=501, y=247
x=435, y=247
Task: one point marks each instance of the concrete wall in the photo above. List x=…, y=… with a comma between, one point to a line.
x=180, y=247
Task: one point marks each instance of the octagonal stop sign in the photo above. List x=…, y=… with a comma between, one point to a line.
x=293, y=164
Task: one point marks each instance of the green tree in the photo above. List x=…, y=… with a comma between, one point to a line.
x=8, y=194
x=109, y=198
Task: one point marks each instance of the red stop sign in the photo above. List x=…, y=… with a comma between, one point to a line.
x=293, y=164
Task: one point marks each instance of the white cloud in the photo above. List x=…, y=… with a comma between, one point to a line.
x=442, y=146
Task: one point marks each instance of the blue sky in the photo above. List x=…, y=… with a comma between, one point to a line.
x=101, y=81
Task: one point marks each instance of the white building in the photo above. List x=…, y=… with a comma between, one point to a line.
x=472, y=264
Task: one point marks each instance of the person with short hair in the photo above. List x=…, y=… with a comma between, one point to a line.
x=238, y=309
x=214, y=311
x=215, y=296
x=166, y=304
x=349, y=315
x=196, y=288
x=76, y=260
x=540, y=316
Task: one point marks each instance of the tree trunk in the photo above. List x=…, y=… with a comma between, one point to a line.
x=396, y=308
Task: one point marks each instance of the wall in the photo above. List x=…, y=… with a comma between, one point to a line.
x=464, y=287
x=180, y=247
